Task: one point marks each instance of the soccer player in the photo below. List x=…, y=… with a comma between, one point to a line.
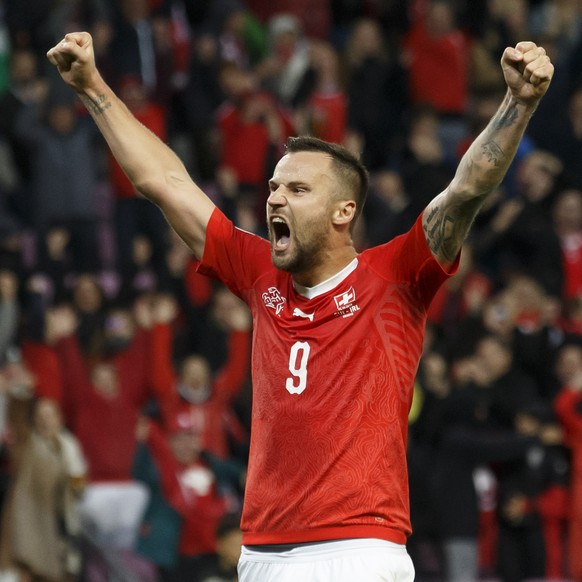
x=337, y=334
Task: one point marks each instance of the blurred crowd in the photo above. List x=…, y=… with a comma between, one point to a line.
x=125, y=390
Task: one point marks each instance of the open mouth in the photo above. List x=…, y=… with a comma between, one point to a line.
x=280, y=233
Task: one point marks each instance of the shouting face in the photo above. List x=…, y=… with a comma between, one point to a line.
x=304, y=199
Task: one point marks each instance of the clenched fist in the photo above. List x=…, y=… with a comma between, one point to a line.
x=528, y=71
x=74, y=58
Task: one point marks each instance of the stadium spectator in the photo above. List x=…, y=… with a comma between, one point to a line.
x=133, y=215
x=179, y=532
x=40, y=520
x=436, y=53
x=200, y=102
x=389, y=210
x=376, y=88
x=521, y=551
x=25, y=87
x=9, y=313
x=567, y=219
x=252, y=128
x=324, y=114
x=55, y=136
x=103, y=398
x=142, y=46
x=562, y=135
x=194, y=391
x=568, y=408
x=229, y=540
x=476, y=431
x=424, y=165
x=285, y=71
x=520, y=233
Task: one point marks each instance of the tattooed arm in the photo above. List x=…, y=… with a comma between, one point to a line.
x=447, y=219
x=151, y=165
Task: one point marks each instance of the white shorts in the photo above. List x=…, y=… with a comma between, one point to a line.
x=352, y=560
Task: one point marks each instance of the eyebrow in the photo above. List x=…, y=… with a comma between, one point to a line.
x=273, y=184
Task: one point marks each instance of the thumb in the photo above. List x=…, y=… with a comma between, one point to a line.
x=75, y=46
x=512, y=58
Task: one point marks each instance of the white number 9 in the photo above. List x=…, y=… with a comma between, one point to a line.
x=298, y=367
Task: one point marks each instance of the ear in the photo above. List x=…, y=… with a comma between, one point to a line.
x=344, y=212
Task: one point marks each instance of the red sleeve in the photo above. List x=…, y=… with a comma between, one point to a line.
x=168, y=468
x=134, y=365
x=163, y=377
x=76, y=380
x=227, y=117
x=565, y=406
x=230, y=379
x=233, y=256
x=408, y=259
x=44, y=364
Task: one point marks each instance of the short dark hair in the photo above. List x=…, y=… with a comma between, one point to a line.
x=350, y=169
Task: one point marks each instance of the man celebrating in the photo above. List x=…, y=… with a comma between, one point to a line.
x=337, y=335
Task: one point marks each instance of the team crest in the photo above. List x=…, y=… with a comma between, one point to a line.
x=274, y=300
x=345, y=303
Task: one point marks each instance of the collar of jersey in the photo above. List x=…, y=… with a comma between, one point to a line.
x=328, y=284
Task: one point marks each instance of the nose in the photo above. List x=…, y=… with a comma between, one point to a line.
x=276, y=197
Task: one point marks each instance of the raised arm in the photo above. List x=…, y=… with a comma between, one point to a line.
x=151, y=165
x=447, y=219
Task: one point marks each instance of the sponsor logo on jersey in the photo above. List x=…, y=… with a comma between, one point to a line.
x=345, y=303
x=298, y=313
x=274, y=300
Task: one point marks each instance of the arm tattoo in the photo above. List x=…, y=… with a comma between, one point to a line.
x=493, y=152
x=506, y=119
x=98, y=105
x=439, y=232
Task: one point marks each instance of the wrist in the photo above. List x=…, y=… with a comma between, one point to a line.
x=525, y=106
x=95, y=95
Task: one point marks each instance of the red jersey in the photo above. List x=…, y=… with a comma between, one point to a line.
x=438, y=69
x=572, y=262
x=333, y=369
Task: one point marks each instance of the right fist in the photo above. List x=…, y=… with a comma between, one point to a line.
x=75, y=60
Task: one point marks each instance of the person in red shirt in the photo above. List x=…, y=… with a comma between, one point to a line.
x=250, y=122
x=194, y=392
x=189, y=486
x=567, y=218
x=436, y=55
x=337, y=334
x=103, y=397
x=327, y=106
x=568, y=407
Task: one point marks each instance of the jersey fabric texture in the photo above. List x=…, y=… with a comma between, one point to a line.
x=333, y=369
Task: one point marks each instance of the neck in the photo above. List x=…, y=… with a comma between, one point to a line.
x=327, y=267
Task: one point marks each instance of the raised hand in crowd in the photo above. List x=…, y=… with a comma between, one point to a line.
x=60, y=322
x=164, y=308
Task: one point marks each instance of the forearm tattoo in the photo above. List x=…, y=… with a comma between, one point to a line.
x=506, y=118
x=439, y=230
x=98, y=105
x=491, y=149
x=493, y=152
